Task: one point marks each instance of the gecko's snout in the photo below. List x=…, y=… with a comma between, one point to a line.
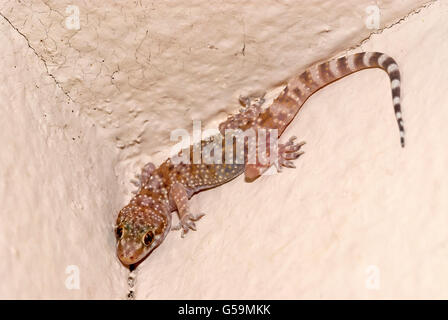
x=127, y=261
x=129, y=252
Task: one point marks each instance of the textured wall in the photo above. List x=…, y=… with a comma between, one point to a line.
x=84, y=109
x=134, y=64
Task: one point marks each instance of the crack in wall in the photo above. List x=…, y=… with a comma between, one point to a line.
x=67, y=94
x=399, y=21
x=58, y=84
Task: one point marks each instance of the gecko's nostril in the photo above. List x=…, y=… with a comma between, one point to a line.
x=127, y=260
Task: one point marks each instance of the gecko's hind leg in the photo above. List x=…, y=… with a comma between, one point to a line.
x=178, y=194
x=285, y=154
x=143, y=177
x=288, y=152
x=246, y=116
x=253, y=103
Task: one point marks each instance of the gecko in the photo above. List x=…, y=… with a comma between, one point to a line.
x=144, y=223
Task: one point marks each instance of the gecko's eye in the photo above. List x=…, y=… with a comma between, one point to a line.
x=119, y=232
x=148, y=238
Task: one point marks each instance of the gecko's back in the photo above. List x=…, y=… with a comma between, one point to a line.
x=203, y=167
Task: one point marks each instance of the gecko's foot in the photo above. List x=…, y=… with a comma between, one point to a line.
x=250, y=102
x=143, y=177
x=247, y=115
x=187, y=223
x=288, y=152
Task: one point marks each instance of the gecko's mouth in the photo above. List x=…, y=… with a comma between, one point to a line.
x=127, y=261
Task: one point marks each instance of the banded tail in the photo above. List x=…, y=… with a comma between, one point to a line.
x=300, y=88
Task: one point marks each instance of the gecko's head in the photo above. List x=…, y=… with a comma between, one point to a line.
x=141, y=226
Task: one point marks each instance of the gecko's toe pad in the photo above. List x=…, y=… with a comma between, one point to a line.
x=187, y=223
x=288, y=152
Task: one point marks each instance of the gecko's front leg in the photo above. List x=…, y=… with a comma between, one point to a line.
x=178, y=194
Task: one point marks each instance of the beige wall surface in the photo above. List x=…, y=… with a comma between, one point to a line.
x=85, y=106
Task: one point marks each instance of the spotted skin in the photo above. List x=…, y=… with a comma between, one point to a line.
x=143, y=224
x=298, y=89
